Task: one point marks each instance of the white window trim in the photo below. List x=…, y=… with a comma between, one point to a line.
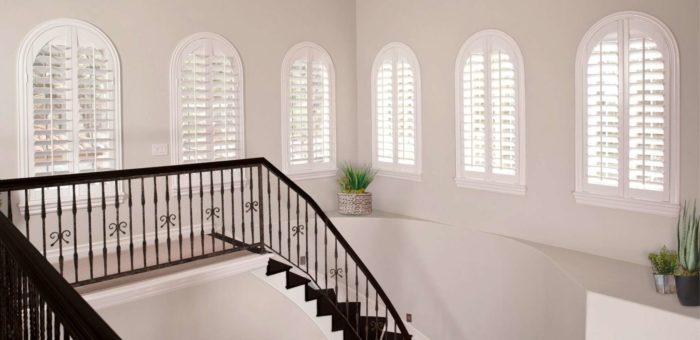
x=583, y=194
x=308, y=171
x=175, y=62
x=491, y=183
x=393, y=170
x=24, y=107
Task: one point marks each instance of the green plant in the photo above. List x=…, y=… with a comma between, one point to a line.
x=688, y=247
x=664, y=262
x=355, y=179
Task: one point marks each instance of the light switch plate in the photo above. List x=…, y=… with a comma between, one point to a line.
x=159, y=149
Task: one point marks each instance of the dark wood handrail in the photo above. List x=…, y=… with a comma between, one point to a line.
x=76, y=314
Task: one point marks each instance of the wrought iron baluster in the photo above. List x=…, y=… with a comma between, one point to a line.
x=367, y=306
x=242, y=207
x=233, y=206
x=43, y=220
x=279, y=215
x=347, y=274
x=325, y=254
x=144, y=245
x=211, y=205
x=376, y=311
x=75, y=236
x=201, y=209
x=9, y=206
x=117, y=226
x=26, y=214
x=357, y=299
x=89, y=212
x=261, y=204
x=167, y=216
x=306, y=234
x=315, y=246
x=131, y=228
x=298, y=227
x=335, y=256
x=189, y=193
x=223, y=209
x=104, y=227
x=59, y=236
x=179, y=216
x=269, y=211
x=155, y=218
x=252, y=208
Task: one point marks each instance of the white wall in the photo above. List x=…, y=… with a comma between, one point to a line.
x=145, y=34
x=463, y=284
x=548, y=33
x=240, y=307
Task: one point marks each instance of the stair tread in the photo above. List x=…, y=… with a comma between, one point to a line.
x=276, y=267
x=393, y=336
x=294, y=280
x=314, y=294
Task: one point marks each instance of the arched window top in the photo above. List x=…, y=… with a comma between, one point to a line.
x=69, y=100
x=206, y=100
x=396, y=107
x=308, y=136
x=627, y=115
x=490, y=108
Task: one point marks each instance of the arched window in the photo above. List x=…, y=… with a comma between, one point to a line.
x=69, y=100
x=206, y=100
x=396, y=112
x=627, y=124
x=490, y=114
x=308, y=112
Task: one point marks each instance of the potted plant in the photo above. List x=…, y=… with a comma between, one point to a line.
x=353, y=198
x=664, y=263
x=687, y=278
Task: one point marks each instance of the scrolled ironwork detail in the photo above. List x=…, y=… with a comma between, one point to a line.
x=376, y=326
x=251, y=206
x=117, y=228
x=298, y=230
x=61, y=237
x=212, y=213
x=168, y=220
x=336, y=272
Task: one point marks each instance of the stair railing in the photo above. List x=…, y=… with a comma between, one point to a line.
x=99, y=226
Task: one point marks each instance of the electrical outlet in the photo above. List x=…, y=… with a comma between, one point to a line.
x=302, y=260
x=159, y=149
x=409, y=317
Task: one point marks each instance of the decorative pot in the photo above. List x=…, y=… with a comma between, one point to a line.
x=355, y=204
x=688, y=290
x=665, y=284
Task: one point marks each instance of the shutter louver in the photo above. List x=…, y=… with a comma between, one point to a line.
x=646, y=115
x=406, y=113
x=474, y=111
x=603, y=113
x=74, y=123
x=210, y=110
x=385, y=112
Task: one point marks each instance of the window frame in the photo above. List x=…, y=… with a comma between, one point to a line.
x=623, y=197
x=488, y=181
x=175, y=117
x=391, y=51
x=309, y=170
x=25, y=59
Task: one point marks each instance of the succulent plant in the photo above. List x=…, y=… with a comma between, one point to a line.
x=688, y=246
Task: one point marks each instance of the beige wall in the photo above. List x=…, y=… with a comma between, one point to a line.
x=145, y=34
x=548, y=32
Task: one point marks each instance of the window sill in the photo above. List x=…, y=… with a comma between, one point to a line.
x=312, y=174
x=400, y=175
x=504, y=188
x=81, y=202
x=629, y=204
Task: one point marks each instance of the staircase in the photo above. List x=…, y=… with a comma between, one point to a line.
x=346, y=316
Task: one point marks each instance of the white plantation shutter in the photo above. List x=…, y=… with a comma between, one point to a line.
x=396, y=98
x=73, y=111
x=603, y=112
x=627, y=115
x=627, y=128
x=207, y=100
x=489, y=113
x=308, y=109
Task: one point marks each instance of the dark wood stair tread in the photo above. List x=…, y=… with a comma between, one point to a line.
x=276, y=267
x=294, y=280
x=314, y=294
